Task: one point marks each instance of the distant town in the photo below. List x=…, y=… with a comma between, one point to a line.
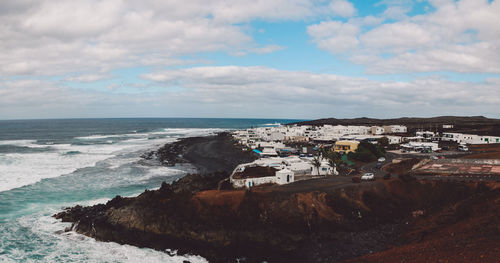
x=289, y=153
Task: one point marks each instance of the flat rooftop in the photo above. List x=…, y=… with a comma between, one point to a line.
x=255, y=172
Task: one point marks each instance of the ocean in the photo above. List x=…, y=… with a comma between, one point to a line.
x=46, y=165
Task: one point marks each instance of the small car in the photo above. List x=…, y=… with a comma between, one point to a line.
x=462, y=148
x=368, y=177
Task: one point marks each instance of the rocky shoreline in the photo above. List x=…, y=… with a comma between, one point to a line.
x=302, y=224
x=208, y=154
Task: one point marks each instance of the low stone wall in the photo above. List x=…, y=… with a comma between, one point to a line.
x=254, y=181
x=470, y=161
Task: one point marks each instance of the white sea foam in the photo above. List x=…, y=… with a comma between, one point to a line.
x=99, y=136
x=271, y=124
x=29, y=234
x=158, y=171
x=17, y=170
x=18, y=142
x=54, y=246
x=20, y=169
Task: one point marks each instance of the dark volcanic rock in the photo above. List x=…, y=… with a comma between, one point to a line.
x=293, y=226
x=208, y=154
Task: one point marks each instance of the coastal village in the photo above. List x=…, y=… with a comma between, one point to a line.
x=289, y=153
x=284, y=193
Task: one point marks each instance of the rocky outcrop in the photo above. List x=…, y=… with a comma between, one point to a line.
x=293, y=226
x=208, y=154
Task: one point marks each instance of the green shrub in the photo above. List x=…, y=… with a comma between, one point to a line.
x=367, y=152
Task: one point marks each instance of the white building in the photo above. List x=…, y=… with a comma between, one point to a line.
x=490, y=139
x=268, y=152
x=285, y=176
x=394, y=139
x=451, y=136
x=285, y=171
x=276, y=136
x=361, y=130
x=469, y=138
x=297, y=165
x=426, y=134
x=376, y=130
x=419, y=146
x=395, y=129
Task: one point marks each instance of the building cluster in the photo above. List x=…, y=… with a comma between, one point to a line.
x=284, y=164
x=279, y=170
x=326, y=133
x=286, y=159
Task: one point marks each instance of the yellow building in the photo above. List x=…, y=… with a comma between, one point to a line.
x=346, y=146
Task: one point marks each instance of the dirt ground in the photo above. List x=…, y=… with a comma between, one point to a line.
x=484, y=151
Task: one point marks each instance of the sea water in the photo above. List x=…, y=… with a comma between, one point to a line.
x=46, y=165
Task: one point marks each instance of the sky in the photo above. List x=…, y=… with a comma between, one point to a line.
x=298, y=59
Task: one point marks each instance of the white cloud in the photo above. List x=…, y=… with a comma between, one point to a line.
x=70, y=19
x=342, y=8
x=234, y=91
x=267, y=49
x=334, y=36
x=262, y=87
x=396, y=12
x=458, y=36
x=86, y=40
x=52, y=37
x=87, y=77
x=398, y=36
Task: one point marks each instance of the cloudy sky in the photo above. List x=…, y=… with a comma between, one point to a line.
x=238, y=58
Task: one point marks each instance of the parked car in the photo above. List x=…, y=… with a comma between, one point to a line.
x=463, y=148
x=368, y=177
x=381, y=159
x=378, y=165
